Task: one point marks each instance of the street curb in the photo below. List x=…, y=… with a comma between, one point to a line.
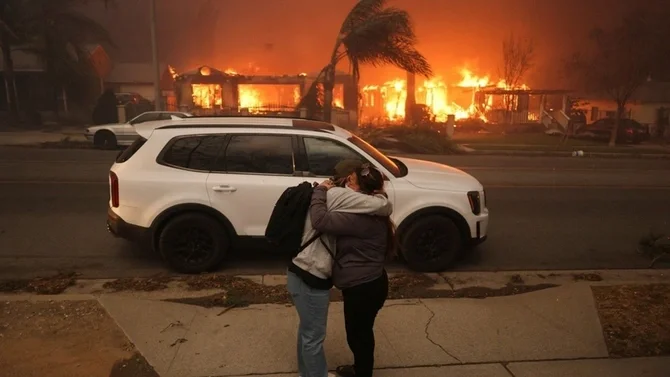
x=456, y=280
x=518, y=153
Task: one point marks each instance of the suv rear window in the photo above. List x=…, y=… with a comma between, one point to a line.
x=130, y=151
x=259, y=154
x=192, y=152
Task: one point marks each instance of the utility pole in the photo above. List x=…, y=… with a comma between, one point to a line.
x=154, y=51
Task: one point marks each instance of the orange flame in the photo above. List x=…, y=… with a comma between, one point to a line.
x=249, y=97
x=173, y=72
x=207, y=96
x=434, y=94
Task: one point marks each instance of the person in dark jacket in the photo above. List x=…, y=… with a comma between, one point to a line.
x=363, y=244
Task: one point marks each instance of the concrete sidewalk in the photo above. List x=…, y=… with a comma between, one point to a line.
x=553, y=332
x=39, y=137
x=547, y=333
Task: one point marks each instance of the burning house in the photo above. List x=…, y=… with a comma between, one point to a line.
x=473, y=97
x=206, y=91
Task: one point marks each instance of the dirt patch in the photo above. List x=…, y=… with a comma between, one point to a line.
x=635, y=319
x=587, y=277
x=516, y=279
x=59, y=339
x=238, y=292
x=44, y=286
x=135, y=366
x=154, y=283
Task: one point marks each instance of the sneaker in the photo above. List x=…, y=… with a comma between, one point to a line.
x=346, y=371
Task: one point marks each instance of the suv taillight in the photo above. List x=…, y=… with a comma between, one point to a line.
x=114, y=189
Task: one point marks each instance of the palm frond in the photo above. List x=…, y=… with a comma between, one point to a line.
x=81, y=28
x=387, y=38
x=360, y=13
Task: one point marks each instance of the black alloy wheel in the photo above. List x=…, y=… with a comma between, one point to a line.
x=105, y=140
x=431, y=244
x=193, y=243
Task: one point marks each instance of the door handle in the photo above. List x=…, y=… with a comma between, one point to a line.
x=224, y=188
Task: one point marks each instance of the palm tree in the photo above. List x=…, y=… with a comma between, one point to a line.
x=52, y=30
x=59, y=35
x=372, y=33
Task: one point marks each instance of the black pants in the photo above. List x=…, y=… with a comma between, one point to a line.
x=361, y=305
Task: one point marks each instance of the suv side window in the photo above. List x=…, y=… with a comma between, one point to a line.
x=259, y=154
x=193, y=152
x=324, y=154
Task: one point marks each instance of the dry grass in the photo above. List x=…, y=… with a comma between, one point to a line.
x=635, y=319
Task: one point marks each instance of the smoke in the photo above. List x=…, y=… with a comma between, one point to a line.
x=293, y=36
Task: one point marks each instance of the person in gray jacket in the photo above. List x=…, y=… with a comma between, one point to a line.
x=309, y=273
x=364, y=243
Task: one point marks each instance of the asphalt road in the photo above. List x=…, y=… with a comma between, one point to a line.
x=547, y=213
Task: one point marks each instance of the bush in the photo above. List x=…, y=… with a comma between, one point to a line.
x=408, y=139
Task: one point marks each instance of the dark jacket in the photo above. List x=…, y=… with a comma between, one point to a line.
x=361, y=242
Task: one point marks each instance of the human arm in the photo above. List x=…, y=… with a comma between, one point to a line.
x=349, y=201
x=329, y=221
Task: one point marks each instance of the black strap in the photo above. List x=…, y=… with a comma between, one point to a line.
x=309, y=242
x=314, y=238
x=331, y=253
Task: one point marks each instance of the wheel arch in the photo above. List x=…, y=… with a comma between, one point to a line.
x=164, y=217
x=460, y=221
x=103, y=131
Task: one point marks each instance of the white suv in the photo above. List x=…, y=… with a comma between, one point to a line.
x=192, y=187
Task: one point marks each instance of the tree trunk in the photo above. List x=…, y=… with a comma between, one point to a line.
x=617, y=122
x=410, y=99
x=328, y=87
x=10, y=85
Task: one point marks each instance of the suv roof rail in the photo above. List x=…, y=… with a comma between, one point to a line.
x=256, y=116
x=298, y=123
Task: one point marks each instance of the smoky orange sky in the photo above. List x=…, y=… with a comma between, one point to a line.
x=293, y=36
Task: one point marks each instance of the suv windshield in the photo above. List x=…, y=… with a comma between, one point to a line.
x=377, y=155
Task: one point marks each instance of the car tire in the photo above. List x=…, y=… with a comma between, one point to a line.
x=431, y=244
x=193, y=243
x=105, y=140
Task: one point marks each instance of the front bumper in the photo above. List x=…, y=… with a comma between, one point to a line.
x=480, y=233
x=119, y=228
x=88, y=136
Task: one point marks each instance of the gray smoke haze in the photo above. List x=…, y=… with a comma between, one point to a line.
x=292, y=36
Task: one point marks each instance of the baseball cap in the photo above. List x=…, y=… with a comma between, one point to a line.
x=344, y=168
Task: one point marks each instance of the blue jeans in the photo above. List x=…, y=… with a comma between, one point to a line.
x=312, y=305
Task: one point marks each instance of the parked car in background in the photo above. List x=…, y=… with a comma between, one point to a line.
x=109, y=136
x=629, y=131
x=192, y=188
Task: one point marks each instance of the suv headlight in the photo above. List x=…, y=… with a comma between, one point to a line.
x=475, y=200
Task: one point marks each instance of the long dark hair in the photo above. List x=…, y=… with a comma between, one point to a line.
x=371, y=181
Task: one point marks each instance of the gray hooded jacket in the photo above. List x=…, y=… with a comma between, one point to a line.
x=315, y=259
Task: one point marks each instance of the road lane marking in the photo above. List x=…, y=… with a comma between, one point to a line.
x=620, y=187
x=10, y=162
x=486, y=186
x=33, y=182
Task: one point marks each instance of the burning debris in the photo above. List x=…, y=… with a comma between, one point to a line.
x=212, y=91
x=209, y=91
x=388, y=100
